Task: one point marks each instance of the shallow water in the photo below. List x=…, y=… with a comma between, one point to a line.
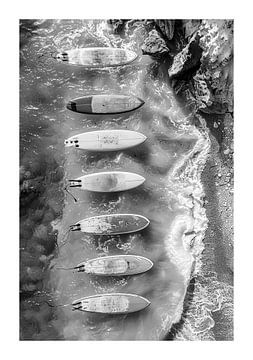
x=171, y=160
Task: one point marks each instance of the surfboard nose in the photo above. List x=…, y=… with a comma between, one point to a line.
x=144, y=137
x=142, y=102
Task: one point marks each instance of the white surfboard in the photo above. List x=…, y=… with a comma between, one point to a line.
x=106, y=140
x=114, y=303
x=111, y=181
x=115, y=265
x=113, y=224
x=97, y=57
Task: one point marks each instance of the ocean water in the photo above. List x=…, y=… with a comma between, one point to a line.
x=171, y=160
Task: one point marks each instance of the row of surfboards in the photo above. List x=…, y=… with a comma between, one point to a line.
x=112, y=181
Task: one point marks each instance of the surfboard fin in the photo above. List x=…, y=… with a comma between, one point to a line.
x=75, y=227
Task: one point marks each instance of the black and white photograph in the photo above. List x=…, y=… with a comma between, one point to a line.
x=126, y=179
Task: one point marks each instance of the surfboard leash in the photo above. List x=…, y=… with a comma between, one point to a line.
x=65, y=238
x=80, y=268
x=79, y=307
x=67, y=190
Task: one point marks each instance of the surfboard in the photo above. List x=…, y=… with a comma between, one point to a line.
x=97, y=57
x=106, y=140
x=111, y=181
x=114, y=303
x=116, y=265
x=113, y=224
x=105, y=104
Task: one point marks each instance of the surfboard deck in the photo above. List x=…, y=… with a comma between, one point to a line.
x=113, y=224
x=106, y=140
x=116, y=265
x=97, y=57
x=114, y=303
x=105, y=104
x=112, y=181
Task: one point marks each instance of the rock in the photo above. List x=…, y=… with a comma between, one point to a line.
x=166, y=27
x=117, y=25
x=190, y=27
x=216, y=41
x=154, y=45
x=202, y=93
x=187, y=59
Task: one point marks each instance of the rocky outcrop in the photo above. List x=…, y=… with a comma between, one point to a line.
x=187, y=60
x=207, y=61
x=201, y=57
